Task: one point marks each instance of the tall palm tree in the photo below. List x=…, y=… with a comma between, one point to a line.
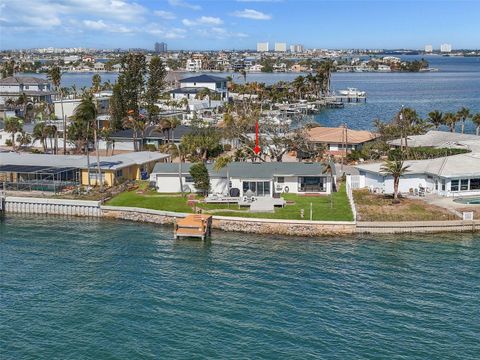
x=40, y=134
x=476, y=121
x=450, y=119
x=463, y=114
x=86, y=114
x=436, y=118
x=55, y=76
x=96, y=82
x=396, y=169
x=130, y=122
x=13, y=125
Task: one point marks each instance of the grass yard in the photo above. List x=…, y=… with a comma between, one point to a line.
x=334, y=208
x=378, y=207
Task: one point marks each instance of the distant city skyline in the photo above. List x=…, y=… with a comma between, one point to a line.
x=238, y=24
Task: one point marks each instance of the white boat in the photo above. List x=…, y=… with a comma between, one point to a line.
x=352, y=92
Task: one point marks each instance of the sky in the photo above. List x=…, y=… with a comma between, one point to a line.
x=239, y=24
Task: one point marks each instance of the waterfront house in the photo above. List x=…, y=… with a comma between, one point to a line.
x=189, y=87
x=36, y=89
x=26, y=172
x=338, y=141
x=440, y=139
x=457, y=175
x=266, y=179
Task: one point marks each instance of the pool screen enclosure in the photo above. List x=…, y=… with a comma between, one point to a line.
x=38, y=178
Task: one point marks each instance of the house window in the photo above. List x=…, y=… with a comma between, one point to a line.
x=189, y=179
x=94, y=177
x=119, y=173
x=311, y=184
x=280, y=179
x=454, y=185
x=259, y=188
x=443, y=185
x=475, y=184
x=464, y=184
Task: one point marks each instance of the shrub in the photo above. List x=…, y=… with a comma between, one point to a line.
x=200, y=177
x=8, y=142
x=149, y=147
x=227, y=147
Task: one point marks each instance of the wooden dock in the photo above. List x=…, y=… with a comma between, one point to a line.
x=197, y=226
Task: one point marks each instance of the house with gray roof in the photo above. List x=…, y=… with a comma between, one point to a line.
x=262, y=179
x=37, y=89
x=457, y=175
x=189, y=87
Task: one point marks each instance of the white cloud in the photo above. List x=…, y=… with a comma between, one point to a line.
x=47, y=14
x=204, y=20
x=182, y=3
x=167, y=15
x=95, y=25
x=170, y=33
x=100, y=25
x=219, y=33
x=252, y=14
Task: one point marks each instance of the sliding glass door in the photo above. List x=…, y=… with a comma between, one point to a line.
x=258, y=188
x=312, y=184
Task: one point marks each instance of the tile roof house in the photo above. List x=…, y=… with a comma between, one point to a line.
x=335, y=139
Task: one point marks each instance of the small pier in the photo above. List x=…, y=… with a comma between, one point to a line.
x=194, y=226
x=346, y=99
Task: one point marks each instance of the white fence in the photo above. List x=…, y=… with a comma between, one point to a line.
x=26, y=205
x=351, y=201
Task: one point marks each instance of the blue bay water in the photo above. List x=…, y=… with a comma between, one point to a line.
x=86, y=288
x=456, y=84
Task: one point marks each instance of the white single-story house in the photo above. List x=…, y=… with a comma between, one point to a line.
x=189, y=87
x=264, y=179
x=440, y=139
x=457, y=175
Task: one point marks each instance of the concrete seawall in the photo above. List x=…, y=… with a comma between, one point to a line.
x=26, y=205
x=238, y=224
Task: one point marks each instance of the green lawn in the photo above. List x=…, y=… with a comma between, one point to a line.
x=334, y=208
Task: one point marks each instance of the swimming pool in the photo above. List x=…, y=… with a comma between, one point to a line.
x=468, y=200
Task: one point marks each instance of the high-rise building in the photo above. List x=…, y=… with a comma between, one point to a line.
x=296, y=48
x=280, y=47
x=262, y=47
x=428, y=48
x=446, y=48
x=160, y=47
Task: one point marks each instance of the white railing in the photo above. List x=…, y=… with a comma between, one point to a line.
x=351, y=201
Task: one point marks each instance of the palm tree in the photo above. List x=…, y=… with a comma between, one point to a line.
x=463, y=114
x=476, y=121
x=40, y=134
x=13, y=125
x=24, y=139
x=396, y=169
x=131, y=123
x=96, y=82
x=436, y=118
x=450, y=119
x=86, y=114
x=55, y=76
